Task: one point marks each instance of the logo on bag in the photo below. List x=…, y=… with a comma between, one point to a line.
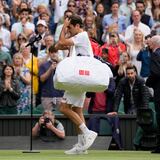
x=84, y=72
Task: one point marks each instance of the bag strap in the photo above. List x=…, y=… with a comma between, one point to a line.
x=72, y=51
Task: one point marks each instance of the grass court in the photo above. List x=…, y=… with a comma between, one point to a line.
x=93, y=155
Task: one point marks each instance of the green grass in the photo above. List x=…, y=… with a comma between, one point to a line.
x=93, y=155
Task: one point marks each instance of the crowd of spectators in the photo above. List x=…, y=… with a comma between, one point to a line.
x=119, y=32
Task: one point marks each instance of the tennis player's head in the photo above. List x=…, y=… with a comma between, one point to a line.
x=76, y=24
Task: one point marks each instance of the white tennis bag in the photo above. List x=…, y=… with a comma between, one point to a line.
x=82, y=73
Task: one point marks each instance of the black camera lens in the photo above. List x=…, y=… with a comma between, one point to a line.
x=47, y=120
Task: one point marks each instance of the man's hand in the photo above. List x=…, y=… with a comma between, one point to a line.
x=112, y=113
x=49, y=125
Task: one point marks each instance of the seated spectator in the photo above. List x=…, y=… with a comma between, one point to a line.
x=135, y=93
x=50, y=97
x=48, y=128
x=9, y=91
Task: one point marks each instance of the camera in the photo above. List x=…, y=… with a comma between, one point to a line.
x=46, y=120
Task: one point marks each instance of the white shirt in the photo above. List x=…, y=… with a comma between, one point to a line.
x=19, y=29
x=129, y=31
x=82, y=44
x=60, y=8
x=5, y=36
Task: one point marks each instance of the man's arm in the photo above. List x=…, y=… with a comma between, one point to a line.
x=63, y=41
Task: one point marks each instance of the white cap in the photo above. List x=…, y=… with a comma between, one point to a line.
x=42, y=22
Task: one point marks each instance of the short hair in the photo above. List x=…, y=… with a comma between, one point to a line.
x=131, y=66
x=114, y=2
x=52, y=49
x=156, y=40
x=140, y=1
x=75, y=19
x=25, y=10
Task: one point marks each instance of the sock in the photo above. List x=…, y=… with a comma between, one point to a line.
x=84, y=128
x=80, y=138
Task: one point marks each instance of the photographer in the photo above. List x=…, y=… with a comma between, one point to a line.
x=48, y=126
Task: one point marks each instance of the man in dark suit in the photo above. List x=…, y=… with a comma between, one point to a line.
x=154, y=82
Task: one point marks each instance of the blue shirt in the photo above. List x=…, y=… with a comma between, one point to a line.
x=47, y=87
x=144, y=56
x=108, y=20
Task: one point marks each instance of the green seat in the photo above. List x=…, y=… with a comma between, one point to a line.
x=105, y=128
x=121, y=108
x=38, y=110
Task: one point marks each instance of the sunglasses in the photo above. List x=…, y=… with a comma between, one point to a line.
x=71, y=5
x=22, y=39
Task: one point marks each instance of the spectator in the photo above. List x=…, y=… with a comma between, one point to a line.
x=5, y=11
x=9, y=91
x=146, y=19
x=136, y=17
x=48, y=126
x=21, y=38
x=16, y=7
x=23, y=26
x=24, y=76
x=134, y=47
x=41, y=30
x=135, y=93
x=101, y=102
x=59, y=8
x=84, y=8
x=144, y=56
x=156, y=26
x=72, y=6
x=115, y=48
x=5, y=57
x=4, y=33
x=100, y=12
x=112, y=18
x=120, y=69
x=48, y=42
x=27, y=59
x=50, y=97
x=153, y=81
x=126, y=9
x=154, y=5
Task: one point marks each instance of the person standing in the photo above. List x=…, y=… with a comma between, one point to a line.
x=50, y=97
x=153, y=81
x=72, y=103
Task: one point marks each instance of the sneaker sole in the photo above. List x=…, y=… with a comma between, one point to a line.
x=76, y=153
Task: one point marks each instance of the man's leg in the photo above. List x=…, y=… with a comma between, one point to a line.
x=78, y=120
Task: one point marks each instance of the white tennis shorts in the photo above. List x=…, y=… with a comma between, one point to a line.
x=74, y=98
